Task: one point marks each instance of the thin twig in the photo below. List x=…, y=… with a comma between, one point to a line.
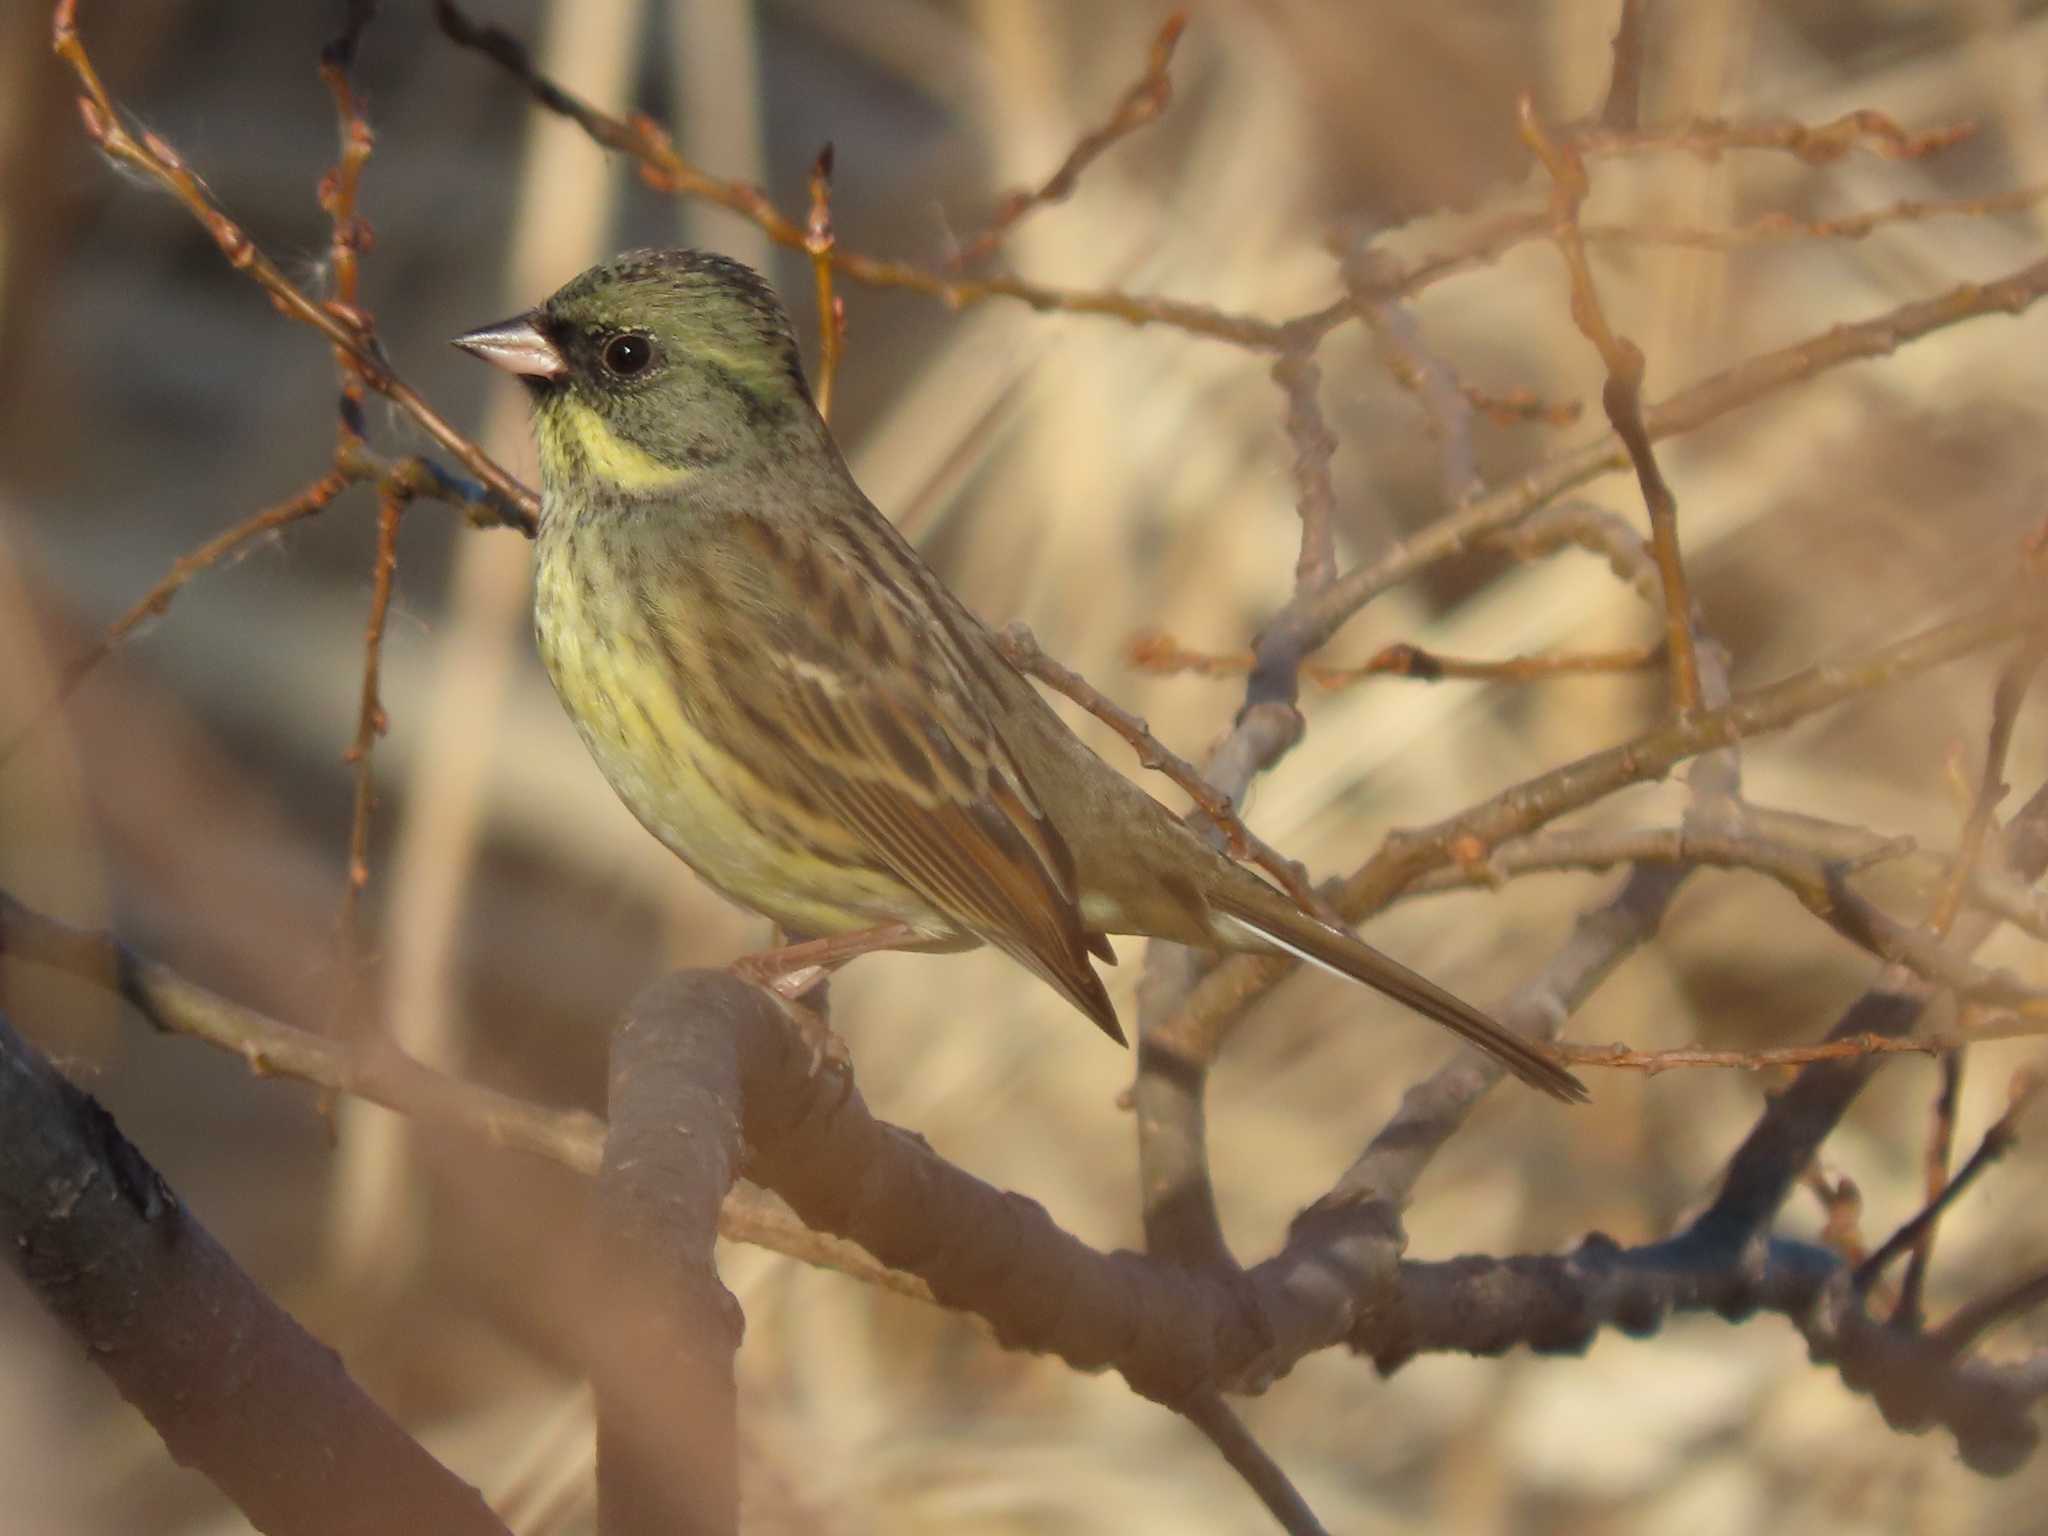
x=1695, y=406
x=1248, y=1459
x=819, y=241
x=1398, y=345
x=1622, y=395
x=338, y=193
x=1621, y=112
x=665, y=170
x=2006, y=699
x=1407, y=857
x=1158, y=652
x=1785, y=228
x=380, y=1073
x=1142, y=103
x=1848, y=1048
x=1998, y=1140
x=1865, y=129
x=1314, y=445
x=306, y=502
x=1025, y=653
x=1818, y=881
x=354, y=465
x=371, y=723
x=344, y=326
x=1981, y=1316
x=2009, y=693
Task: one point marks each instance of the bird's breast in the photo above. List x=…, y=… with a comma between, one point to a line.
x=637, y=679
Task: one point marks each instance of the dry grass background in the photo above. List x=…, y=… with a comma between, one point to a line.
x=1094, y=480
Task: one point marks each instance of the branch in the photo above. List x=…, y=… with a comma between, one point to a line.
x=1173, y=1332
x=665, y=1340
x=371, y=723
x=1914, y=1234
x=1710, y=137
x=1700, y=403
x=1177, y=1334
x=1406, y=857
x=307, y=502
x=819, y=241
x=1789, y=1133
x=237, y=1389
x=344, y=326
x=1143, y=103
x=1159, y=653
x=381, y=1074
x=1021, y=647
x=1622, y=396
x=642, y=140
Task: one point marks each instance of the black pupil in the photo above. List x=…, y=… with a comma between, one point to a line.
x=627, y=354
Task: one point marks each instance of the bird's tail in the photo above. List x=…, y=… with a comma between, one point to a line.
x=1267, y=919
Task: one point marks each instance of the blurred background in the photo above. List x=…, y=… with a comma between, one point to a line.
x=1094, y=480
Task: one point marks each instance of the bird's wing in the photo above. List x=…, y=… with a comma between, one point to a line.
x=871, y=710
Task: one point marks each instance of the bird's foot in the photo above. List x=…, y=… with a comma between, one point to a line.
x=827, y=1047
x=794, y=969
x=791, y=972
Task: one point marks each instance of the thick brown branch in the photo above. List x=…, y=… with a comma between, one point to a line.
x=382, y=1075
x=236, y=1388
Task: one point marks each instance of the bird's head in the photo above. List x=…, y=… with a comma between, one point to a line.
x=652, y=368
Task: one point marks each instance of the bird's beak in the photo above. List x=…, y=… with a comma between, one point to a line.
x=517, y=346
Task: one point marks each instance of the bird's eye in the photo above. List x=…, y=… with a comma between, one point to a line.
x=627, y=355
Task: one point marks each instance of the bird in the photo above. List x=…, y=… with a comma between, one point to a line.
x=785, y=694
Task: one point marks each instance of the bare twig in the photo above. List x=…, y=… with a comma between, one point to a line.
x=1691, y=408
x=1159, y=653
x=304, y=503
x=1595, y=529
x=381, y=1074
x=819, y=241
x=1226, y=1431
x=1398, y=344
x=342, y=324
x=1025, y=653
x=371, y=723
x=1818, y=881
x=1621, y=112
x=1407, y=857
x=1768, y=1058
x=2013, y=680
x=1980, y=1317
x=1865, y=129
x=1142, y=103
x=1314, y=444
x=1998, y=1140
x=1622, y=395
x=665, y=170
x=338, y=192
x=1785, y=228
